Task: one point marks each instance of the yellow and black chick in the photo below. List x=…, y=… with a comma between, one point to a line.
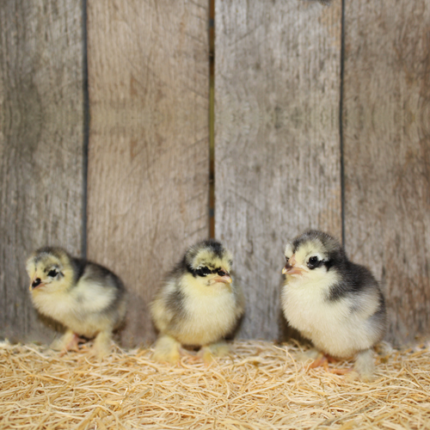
x=333, y=302
x=198, y=305
x=88, y=299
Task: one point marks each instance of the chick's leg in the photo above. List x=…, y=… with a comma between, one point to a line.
x=102, y=344
x=364, y=364
x=217, y=349
x=167, y=349
x=69, y=342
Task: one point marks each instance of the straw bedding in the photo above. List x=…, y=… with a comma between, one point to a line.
x=259, y=386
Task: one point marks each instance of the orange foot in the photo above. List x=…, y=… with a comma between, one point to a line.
x=341, y=371
x=73, y=345
x=323, y=360
x=204, y=354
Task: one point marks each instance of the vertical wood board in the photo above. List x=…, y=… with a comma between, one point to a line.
x=387, y=154
x=41, y=147
x=277, y=149
x=148, y=151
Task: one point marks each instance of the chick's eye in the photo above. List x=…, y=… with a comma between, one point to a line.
x=52, y=273
x=221, y=273
x=314, y=262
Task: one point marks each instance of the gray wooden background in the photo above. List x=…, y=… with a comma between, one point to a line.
x=322, y=119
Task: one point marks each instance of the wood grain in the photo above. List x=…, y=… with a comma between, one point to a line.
x=277, y=150
x=148, y=151
x=41, y=147
x=387, y=154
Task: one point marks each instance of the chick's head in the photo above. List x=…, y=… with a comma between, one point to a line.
x=312, y=254
x=50, y=270
x=209, y=262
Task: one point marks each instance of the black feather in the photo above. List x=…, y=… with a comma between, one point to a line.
x=354, y=279
x=175, y=303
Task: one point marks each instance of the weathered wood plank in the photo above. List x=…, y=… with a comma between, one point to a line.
x=387, y=153
x=148, y=151
x=277, y=152
x=41, y=146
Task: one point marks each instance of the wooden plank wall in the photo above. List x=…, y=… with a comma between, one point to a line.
x=149, y=145
x=387, y=153
x=41, y=146
x=277, y=151
x=280, y=92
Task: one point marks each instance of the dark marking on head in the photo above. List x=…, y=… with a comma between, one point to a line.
x=215, y=246
x=51, y=250
x=53, y=271
x=187, y=266
x=328, y=264
x=212, y=246
x=335, y=254
x=205, y=271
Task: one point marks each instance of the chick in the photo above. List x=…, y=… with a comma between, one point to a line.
x=335, y=303
x=88, y=299
x=198, y=304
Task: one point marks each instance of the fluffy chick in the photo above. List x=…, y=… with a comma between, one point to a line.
x=335, y=303
x=198, y=303
x=88, y=299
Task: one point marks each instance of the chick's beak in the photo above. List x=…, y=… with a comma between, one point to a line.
x=290, y=267
x=226, y=279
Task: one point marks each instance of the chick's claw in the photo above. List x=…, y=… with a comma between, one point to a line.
x=321, y=361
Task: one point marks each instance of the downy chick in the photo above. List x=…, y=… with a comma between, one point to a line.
x=335, y=303
x=198, y=304
x=88, y=299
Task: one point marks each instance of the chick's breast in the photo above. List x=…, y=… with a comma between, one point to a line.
x=208, y=318
x=339, y=326
x=196, y=316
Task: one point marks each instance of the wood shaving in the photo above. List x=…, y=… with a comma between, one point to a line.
x=259, y=386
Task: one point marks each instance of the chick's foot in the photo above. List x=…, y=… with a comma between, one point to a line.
x=167, y=349
x=70, y=342
x=102, y=345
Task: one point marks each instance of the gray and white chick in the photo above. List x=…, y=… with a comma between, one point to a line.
x=198, y=305
x=88, y=299
x=333, y=302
